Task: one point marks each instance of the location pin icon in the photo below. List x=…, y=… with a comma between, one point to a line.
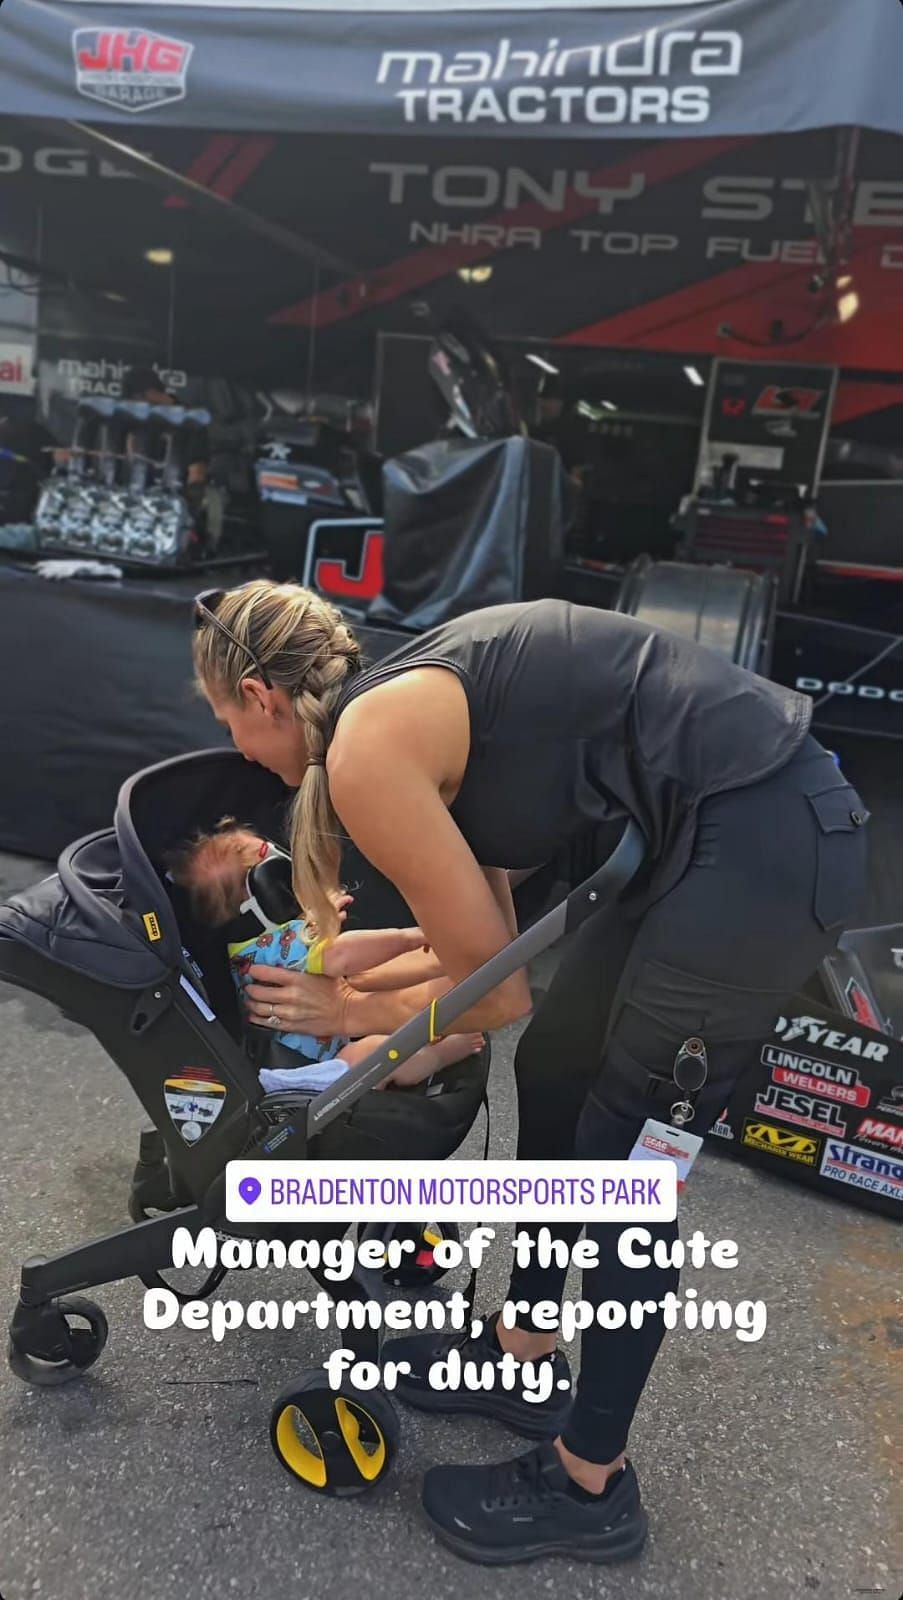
x=249, y=1189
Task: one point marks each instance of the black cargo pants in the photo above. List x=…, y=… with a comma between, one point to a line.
x=777, y=872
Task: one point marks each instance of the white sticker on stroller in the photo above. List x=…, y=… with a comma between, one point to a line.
x=194, y=1101
x=201, y=1004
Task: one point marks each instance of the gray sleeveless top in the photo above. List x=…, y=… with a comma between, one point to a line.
x=580, y=717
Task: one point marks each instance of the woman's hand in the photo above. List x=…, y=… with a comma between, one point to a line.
x=297, y=1002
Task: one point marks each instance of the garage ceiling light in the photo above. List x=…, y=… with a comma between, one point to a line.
x=540, y=361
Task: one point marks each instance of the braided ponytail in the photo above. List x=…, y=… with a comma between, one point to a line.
x=315, y=836
x=307, y=649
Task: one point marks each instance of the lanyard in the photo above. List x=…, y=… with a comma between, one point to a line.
x=691, y=1069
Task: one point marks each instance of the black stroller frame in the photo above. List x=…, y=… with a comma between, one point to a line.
x=103, y=940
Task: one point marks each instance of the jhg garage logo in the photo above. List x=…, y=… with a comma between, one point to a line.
x=129, y=67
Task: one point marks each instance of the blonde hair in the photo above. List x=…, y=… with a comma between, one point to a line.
x=305, y=646
x=212, y=868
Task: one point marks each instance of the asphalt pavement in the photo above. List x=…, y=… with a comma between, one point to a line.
x=768, y=1469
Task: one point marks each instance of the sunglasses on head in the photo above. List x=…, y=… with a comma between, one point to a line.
x=268, y=901
x=205, y=609
x=269, y=896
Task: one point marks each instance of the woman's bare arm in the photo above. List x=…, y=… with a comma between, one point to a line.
x=399, y=974
x=361, y=949
x=499, y=882
x=386, y=776
x=394, y=766
x=424, y=966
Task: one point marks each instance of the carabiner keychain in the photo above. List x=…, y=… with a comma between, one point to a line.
x=660, y=1141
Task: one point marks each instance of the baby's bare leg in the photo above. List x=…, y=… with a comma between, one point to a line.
x=357, y=1050
x=423, y=1064
x=433, y=1057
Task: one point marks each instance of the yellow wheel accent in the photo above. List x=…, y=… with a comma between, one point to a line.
x=339, y=1444
x=369, y=1463
x=295, y=1453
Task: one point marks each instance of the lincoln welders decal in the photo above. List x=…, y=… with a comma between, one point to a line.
x=809, y=1075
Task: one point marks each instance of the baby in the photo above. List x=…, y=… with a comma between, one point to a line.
x=215, y=869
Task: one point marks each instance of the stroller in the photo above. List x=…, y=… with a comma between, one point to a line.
x=111, y=942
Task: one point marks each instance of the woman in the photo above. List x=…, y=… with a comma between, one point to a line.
x=496, y=741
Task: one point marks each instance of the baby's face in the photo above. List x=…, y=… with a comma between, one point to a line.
x=253, y=848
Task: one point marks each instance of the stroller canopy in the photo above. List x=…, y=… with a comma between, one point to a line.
x=164, y=805
x=107, y=913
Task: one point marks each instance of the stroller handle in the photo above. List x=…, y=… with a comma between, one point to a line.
x=598, y=890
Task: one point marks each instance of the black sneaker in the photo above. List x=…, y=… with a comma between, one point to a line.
x=533, y=1419
x=521, y=1509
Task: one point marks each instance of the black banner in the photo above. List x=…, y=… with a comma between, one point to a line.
x=686, y=68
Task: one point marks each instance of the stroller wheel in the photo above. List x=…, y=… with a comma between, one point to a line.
x=47, y=1346
x=338, y=1442
x=419, y=1270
